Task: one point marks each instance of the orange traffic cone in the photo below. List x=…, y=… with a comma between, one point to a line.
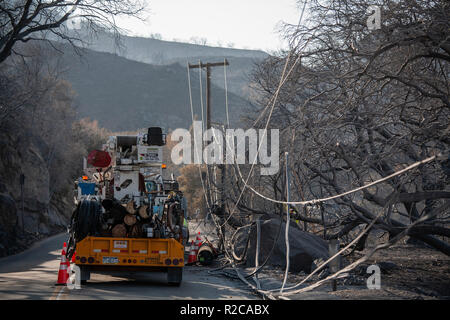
x=198, y=241
x=192, y=254
x=63, y=273
x=73, y=257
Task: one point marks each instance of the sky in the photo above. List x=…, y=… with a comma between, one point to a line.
x=248, y=24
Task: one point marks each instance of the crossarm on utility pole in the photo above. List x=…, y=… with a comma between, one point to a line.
x=208, y=64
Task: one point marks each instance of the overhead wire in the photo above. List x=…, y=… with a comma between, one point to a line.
x=371, y=184
x=282, y=81
x=208, y=180
x=192, y=116
x=260, y=267
x=207, y=200
x=265, y=130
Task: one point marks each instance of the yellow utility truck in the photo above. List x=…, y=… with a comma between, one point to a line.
x=128, y=217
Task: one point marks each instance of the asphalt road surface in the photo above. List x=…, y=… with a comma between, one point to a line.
x=32, y=275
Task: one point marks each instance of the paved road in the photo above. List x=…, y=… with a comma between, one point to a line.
x=32, y=274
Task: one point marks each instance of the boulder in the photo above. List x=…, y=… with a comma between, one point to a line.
x=8, y=213
x=43, y=229
x=45, y=212
x=304, y=247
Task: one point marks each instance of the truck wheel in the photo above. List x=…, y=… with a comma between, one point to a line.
x=174, y=276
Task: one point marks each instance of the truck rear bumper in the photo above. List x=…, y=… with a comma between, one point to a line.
x=113, y=253
x=174, y=274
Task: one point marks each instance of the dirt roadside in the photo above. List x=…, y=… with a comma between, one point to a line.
x=408, y=272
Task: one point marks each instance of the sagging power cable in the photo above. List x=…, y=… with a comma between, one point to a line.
x=282, y=81
x=198, y=156
x=320, y=200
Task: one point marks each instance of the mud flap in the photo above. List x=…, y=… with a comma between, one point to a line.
x=85, y=274
x=174, y=275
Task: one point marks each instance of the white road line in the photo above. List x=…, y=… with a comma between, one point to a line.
x=60, y=292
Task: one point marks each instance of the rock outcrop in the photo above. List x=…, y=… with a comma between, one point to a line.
x=43, y=211
x=304, y=247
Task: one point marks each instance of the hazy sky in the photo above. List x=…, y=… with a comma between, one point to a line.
x=245, y=23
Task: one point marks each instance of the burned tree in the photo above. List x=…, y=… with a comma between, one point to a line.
x=358, y=105
x=25, y=20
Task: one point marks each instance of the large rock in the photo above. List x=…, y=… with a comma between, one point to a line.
x=304, y=247
x=42, y=214
x=8, y=223
x=8, y=213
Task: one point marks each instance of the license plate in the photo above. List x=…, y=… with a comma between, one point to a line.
x=110, y=260
x=151, y=260
x=120, y=244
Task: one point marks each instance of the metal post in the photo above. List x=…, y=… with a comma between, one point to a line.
x=323, y=221
x=258, y=241
x=287, y=183
x=22, y=183
x=288, y=198
x=288, y=218
x=335, y=264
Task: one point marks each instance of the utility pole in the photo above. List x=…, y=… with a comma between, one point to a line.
x=208, y=67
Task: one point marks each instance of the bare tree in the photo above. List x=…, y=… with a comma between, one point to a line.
x=156, y=36
x=358, y=105
x=25, y=20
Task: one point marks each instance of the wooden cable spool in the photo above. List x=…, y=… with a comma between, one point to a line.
x=130, y=207
x=130, y=220
x=206, y=254
x=119, y=231
x=136, y=231
x=143, y=211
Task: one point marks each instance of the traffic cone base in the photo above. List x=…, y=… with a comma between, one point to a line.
x=192, y=254
x=198, y=242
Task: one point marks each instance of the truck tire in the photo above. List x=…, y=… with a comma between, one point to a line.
x=174, y=276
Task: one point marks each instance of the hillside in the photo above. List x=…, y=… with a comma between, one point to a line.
x=161, y=52
x=156, y=51
x=124, y=95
